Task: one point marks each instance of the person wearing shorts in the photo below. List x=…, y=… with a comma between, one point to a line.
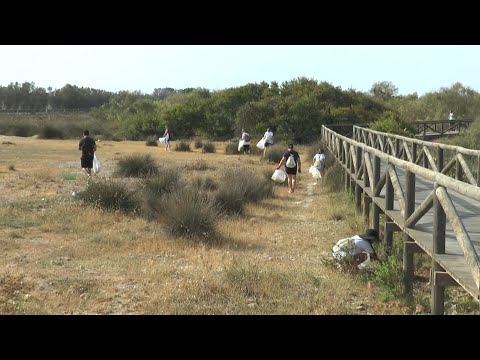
x=88, y=147
x=291, y=171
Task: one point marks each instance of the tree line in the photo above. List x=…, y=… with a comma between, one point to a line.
x=295, y=109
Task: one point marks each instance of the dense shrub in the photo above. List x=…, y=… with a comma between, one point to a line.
x=108, y=195
x=182, y=146
x=208, y=147
x=198, y=143
x=190, y=214
x=50, y=132
x=152, y=141
x=136, y=165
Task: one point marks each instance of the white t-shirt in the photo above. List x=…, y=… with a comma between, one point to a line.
x=319, y=159
x=357, y=246
x=243, y=138
x=268, y=137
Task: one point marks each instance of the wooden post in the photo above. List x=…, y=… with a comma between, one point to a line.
x=458, y=168
x=440, y=159
x=478, y=170
x=397, y=147
x=358, y=188
x=389, y=197
x=408, y=264
x=414, y=152
x=439, y=226
x=376, y=208
x=366, y=198
x=425, y=159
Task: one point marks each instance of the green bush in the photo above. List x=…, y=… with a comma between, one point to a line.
x=50, y=132
x=152, y=141
x=333, y=177
x=208, y=147
x=190, y=214
x=136, y=165
x=108, y=195
x=182, y=146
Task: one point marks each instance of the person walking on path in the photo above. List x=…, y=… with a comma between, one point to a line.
x=88, y=147
x=319, y=161
x=246, y=142
x=268, y=140
x=291, y=160
x=167, y=135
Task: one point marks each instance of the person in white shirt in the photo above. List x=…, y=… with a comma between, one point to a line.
x=451, y=118
x=246, y=142
x=268, y=140
x=319, y=161
x=357, y=246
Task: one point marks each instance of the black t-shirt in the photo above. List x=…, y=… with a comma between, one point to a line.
x=295, y=154
x=87, y=144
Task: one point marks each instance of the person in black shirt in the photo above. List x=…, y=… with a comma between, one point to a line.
x=292, y=162
x=88, y=147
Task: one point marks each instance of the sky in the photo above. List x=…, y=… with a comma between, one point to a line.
x=411, y=68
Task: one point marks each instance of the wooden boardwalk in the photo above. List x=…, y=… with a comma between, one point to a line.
x=453, y=261
x=438, y=214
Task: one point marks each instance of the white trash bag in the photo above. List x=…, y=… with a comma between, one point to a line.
x=163, y=140
x=261, y=144
x=315, y=172
x=97, y=165
x=279, y=176
x=240, y=145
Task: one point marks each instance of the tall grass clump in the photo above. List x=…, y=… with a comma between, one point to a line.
x=182, y=146
x=204, y=183
x=153, y=192
x=208, y=147
x=197, y=143
x=239, y=186
x=108, y=195
x=333, y=178
x=136, y=165
x=231, y=148
x=151, y=141
x=275, y=153
x=199, y=165
x=190, y=214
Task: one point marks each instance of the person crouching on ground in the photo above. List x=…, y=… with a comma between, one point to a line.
x=357, y=247
x=291, y=160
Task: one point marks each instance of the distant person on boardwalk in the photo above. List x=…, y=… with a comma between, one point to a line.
x=357, y=246
x=319, y=161
x=246, y=141
x=451, y=118
x=88, y=147
x=268, y=140
x=167, y=135
x=291, y=160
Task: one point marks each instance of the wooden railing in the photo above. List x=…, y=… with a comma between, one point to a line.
x=438, y=128
x=454, y=161
x=361, y=161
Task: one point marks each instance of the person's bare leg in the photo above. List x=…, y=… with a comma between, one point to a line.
x=294, y=180
x=289, y=183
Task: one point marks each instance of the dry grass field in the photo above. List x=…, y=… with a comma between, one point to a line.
x=59, y=257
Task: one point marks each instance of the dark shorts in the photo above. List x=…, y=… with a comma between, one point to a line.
x=268, y=144
x=291, y=171
x=246, y=147
x=86, y=162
